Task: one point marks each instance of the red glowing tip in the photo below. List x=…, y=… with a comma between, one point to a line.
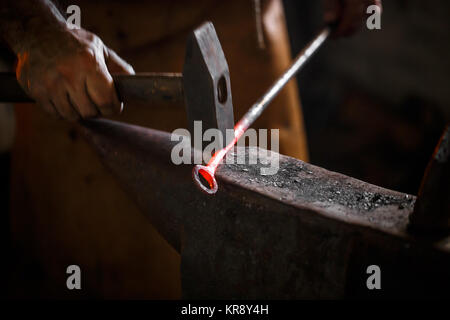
x=204, y=179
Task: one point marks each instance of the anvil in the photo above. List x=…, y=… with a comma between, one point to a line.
x=303, y=233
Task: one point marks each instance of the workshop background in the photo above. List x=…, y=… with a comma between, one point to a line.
x=374, y=104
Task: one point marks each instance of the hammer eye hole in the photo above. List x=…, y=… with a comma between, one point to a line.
x=222, y=92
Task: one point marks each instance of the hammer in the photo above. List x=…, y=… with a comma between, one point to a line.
x=204, y=175
x=204, y=85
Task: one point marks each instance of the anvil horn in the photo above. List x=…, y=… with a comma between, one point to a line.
x=140, y=160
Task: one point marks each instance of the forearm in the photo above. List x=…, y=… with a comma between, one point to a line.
x=23, y=23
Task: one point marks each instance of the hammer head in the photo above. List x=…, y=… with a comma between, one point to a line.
x=206, y=82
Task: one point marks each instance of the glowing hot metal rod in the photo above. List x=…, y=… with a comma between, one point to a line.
x=204, y=175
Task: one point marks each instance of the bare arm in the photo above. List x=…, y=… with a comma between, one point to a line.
x=67, y=71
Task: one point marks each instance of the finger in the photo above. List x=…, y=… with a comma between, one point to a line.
x=81, y=102
x=116, y=64
x=101, y=90
x=48, y=107
x=62, y=103
x=101, y=93
x=73, y=107
x=53, y=105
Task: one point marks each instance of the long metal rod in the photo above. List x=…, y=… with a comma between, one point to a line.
x=207, y=172
x=255, y=111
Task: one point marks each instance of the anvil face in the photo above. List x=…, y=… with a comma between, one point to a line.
x=302, y=233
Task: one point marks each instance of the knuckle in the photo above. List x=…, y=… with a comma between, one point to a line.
x=89, y=36
x=88, y=55
x=90, y=50
x=95, y=41
x=90, y=60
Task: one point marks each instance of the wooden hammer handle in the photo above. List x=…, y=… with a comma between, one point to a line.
x=142, y=88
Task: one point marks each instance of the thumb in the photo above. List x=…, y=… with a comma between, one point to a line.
x=116, y=64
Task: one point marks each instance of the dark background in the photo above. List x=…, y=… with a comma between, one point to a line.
x=376, y=103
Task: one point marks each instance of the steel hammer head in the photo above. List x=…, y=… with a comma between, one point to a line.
x=206, y=82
